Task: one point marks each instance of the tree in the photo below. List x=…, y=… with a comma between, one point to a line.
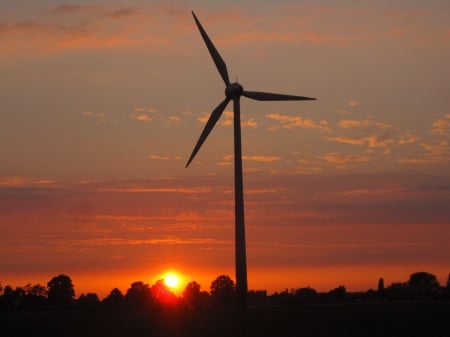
x=114, y=299
x=307, y=295
x=338, y=294
x=162, y=293
x=193, y=296
x=35, y=295
x=11, y=298
x=223, y=290
x=139, y=295
x=423, y=284
x=398, y=291
x=60, y=290
x=90, y=300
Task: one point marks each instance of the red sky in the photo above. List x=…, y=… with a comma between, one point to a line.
x=101, y=105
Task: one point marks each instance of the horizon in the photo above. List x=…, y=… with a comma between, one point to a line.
x=101, y=105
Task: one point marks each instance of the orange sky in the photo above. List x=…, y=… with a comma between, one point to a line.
x=101, y=105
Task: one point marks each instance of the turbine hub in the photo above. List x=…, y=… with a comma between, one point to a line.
x=234, y=90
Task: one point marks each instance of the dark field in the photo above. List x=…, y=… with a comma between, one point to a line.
x=430, y=319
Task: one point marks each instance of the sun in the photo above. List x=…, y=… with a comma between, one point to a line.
x=172, y=280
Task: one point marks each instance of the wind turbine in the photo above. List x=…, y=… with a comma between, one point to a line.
x=234, y=91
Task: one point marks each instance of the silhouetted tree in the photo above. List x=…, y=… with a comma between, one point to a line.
x=139, y=295
x=60, y=290
x=35, y=295
x=162, y=294
x=11, y=298
x=89, y=301
x=398, y=291
x=306, y=295
x=114, y=299
x=338, y=294
x=223, y=290
x=423, y=284
x=193, y=297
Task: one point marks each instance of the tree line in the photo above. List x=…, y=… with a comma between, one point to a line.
x=60, y=293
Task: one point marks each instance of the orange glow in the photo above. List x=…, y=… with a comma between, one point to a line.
x=172, y=280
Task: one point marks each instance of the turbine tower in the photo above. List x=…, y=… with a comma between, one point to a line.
x=234, y=91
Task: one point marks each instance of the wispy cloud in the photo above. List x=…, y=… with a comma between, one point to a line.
x=20, y=181
x=163, y=157
x=262, y=159
x=290, y=122
x=408, y=138
x=227, y=119
x=441, y=126
x=434, y=153
x=159, y=157
x=344, y=161
x=348, y=140
x=352, y=123
x=372, y=141
x=70, y=9
x=143, y=114
x=100, y=116
x=79, y=27
x=143, y=189
x=307, y=167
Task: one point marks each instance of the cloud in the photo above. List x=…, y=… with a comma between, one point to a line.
x=100, y=116
x=13, y=181
x=174, y=119
x=123, y=13
x=352, y=103
x=70, y=9
x=249, y=123
x=142, y=118
x=159, y=157
x=348, y=140
x=306, y=167
x=227, y=119
x=290, y=122
x=408, y=138
x=181, y=190
x=77, y=27
x=351, y=123
x=441, y=126
x=142, y=109
x=143, y=114
x=344, y=161
x=261, y=159
x=434, y=153
x=382, y=134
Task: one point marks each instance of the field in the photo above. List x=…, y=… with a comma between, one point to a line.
x=428, y=319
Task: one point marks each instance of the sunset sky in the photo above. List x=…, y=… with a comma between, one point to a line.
x=102, y=102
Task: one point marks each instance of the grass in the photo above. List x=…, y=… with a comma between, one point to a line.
x=362, y=319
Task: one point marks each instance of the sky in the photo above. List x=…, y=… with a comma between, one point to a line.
x=102, y=102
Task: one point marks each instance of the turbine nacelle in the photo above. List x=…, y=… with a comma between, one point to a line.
x=234, y=90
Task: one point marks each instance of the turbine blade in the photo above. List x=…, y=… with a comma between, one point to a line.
x=267, y=96
x=215, y=115
x=220, y=64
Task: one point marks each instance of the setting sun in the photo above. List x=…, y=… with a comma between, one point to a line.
x=172, y=280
